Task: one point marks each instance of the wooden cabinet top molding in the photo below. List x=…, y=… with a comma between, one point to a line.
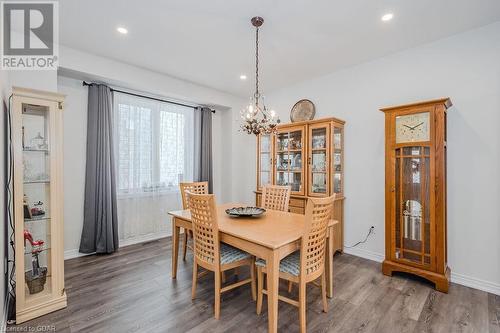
x=310, y=122
x=445, y=101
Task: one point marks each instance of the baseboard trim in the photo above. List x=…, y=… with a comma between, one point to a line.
x=71, y=254
x=461, y=279
x=370, y=255
x=142, y=239
x=475, y=283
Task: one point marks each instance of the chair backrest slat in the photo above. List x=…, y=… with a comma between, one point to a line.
x=205, y=227
x=276, y=197
x=195, y=188
x=318, y=214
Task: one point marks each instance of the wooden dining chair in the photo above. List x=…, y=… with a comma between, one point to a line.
x=276, y=197
x=212, y=255
x=197, y=188
x=307, y=264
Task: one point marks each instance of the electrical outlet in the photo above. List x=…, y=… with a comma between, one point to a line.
x=370, y=232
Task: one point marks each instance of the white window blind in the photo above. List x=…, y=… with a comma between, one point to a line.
x=153, y=152
x=154, y=144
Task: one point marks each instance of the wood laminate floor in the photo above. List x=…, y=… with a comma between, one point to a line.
x=132, y=291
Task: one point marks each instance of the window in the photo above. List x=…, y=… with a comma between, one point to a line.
x=154, y=144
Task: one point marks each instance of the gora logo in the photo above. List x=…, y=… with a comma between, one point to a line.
x=30, y=34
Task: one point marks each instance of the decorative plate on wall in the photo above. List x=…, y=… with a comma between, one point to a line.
x=302, y=110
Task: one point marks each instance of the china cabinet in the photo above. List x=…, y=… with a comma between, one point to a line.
x=415, y=193
x=38, y=208
x=309, y=157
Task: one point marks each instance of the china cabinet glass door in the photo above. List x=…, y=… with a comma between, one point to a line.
x=265, y=161
x=318, y=160
x=412, y=198
x=36, y=199
x=338, y=158
x=289, y=159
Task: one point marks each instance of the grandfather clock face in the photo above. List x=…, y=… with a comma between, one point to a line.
x=413, y=127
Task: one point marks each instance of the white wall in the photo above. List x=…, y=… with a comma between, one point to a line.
x=41, y=80
x=76, y=66
x=466, y=68
x=74, y=150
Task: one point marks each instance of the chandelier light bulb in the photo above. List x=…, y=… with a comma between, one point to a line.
x=122, y=30
x=387, y=17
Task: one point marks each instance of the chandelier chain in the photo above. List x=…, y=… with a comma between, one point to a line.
x=257, y=66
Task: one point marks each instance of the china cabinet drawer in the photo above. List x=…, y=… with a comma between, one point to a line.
x=299, y=203
x=296, y=210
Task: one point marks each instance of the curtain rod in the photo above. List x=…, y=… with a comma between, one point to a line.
x=148, y=97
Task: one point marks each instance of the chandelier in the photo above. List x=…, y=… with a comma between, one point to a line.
x=257, y=119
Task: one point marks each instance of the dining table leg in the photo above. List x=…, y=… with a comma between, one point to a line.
x=272, y=264
x=329, y=263
x=175, y=246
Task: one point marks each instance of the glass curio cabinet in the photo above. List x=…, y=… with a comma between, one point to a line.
x=38, y=202
x=309, y=157
x=416, y=191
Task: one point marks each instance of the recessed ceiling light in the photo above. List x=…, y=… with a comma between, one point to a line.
x=387, y=17
x=243, y=77
x=122, y=30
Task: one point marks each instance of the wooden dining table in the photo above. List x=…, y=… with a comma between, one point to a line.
x=271, y=236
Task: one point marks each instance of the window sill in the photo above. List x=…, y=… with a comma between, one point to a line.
x=148, y=194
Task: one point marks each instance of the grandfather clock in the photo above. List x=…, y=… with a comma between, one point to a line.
x=415, y=191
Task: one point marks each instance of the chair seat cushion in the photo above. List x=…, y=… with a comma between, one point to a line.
x=229, y=254
x=290, y=264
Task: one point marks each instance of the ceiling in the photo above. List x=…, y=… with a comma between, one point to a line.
x=212, y=42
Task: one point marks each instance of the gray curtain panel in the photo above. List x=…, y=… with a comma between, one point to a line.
x=100, y=223
x=203, y=146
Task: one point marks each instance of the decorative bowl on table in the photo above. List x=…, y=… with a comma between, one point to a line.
x=245, y=211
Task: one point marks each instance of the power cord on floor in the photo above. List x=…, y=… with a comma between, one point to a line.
x=370, y=231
